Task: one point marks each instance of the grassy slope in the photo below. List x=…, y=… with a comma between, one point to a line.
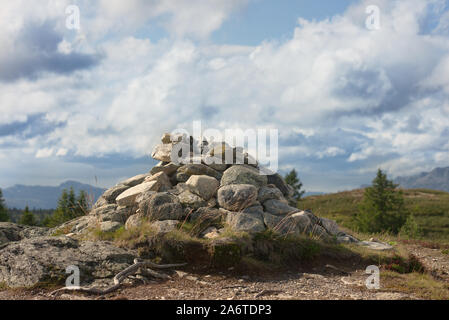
x=430, y=207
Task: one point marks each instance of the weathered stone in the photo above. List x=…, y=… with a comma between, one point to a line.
x=245, y=222
x=110, y=226
x=191, y=200
x=168, y=168
x=268, y=193
x=10, y=232
x=243, y=174
x=277, y=207
x=162, y=206
x=166, y=138
x=133, y=222
x=162, y=179
x=111, y=212
x=204, y=218
x=203, y=186
x=166, y=226
x=128, y=197
x=303, y=222
x=101, y=201
x=331, y=226
x=279, y=182
x=45, y=259
x=256, y=208
x=237, y=197
x=111, y=194
x=134, y=181
x=162, y=152
x=184, y=172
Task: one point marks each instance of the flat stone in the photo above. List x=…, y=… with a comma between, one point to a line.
x=134, y=181
x=128, y=197
x=162, y=179
x=185, y=171
x=278, y=207
x=168, y=168
x=111, y=194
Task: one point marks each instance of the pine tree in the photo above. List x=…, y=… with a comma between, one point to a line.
x=28, y=218
x=82, y=203
x=69, y=208
x=4, y=216
x=382, y=208
x=292, y=179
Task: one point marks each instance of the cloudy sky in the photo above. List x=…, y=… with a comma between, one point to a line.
x=90, y=104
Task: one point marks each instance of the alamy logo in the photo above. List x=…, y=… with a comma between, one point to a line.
x=73, y=281
x=72, y=21
x=260, y=143
x=373, y=281
x=372, y=22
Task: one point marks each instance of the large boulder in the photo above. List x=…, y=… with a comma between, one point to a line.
x=243, y=174
x=245, y=222
x=237, y=197
x=203, y=186
x=45, y=259
x=161, y=206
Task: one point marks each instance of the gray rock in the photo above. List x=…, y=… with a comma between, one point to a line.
x=10, y=232
x=161, y=206
x=270, y=192
x=45, y=259
x=278, y=207
x=162, y=179
x=245, y=222
x=162, y=152
x=203, y=186
x=110, y=226
x=256, y=208
x=279, y=182
x=100, y=203
x=184, y=172
x=166, y=226
x=378, y=246
x=128, y=198
x=134, y=222
x=191, y=200
x=134, y=181
x=330, y=226
x=168, y=168
x=111, y=194
x=243, y=174
x=111, y=212
x=237, y=197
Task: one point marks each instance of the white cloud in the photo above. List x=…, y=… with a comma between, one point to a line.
x=338, y=86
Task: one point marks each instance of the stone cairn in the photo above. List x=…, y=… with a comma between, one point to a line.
x=204, y=191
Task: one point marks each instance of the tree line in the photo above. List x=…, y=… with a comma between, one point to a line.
x=70, y=206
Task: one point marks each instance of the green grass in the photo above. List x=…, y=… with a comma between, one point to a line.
x=430, y=208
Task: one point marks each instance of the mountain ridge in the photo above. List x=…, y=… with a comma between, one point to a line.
x=45, y=197
x=436, y=179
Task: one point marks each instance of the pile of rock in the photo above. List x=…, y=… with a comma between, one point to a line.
x=221, y=188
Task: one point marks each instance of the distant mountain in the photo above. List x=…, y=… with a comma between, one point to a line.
x=437, y=179
x=41, y=197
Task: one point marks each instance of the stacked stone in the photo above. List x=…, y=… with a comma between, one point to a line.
x=208, y=193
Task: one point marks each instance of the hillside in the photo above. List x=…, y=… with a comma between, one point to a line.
x=430, y=207
x=44, y=197
x=437, y=179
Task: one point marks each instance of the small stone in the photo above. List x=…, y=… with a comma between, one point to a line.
x=128, y=197
x=237, y=197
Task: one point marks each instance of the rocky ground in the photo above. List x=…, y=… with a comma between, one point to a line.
x=324, y=279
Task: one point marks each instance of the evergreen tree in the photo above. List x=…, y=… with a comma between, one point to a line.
x=382, y=208
x=4, y=216
x=28, y=218
x=69, y=208
x=292, y=179
x=82, y=203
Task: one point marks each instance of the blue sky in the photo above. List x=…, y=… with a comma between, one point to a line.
x=90, y=104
